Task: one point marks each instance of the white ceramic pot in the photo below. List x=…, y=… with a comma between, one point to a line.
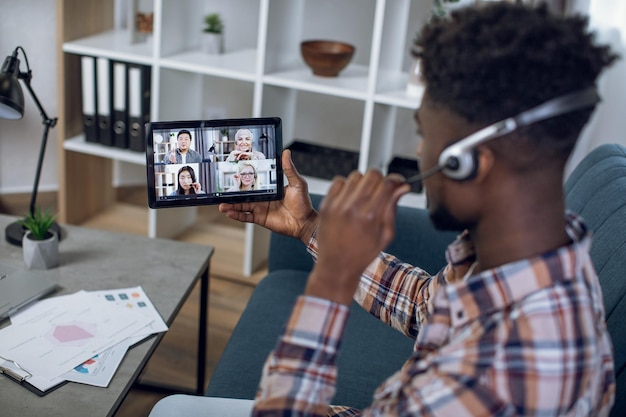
x=415, y=87
x=212, y=43
x=40, y=254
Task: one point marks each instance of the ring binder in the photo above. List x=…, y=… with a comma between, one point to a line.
x=119, y=112
x=88, y=91
x=138, y=105
x=103, y=100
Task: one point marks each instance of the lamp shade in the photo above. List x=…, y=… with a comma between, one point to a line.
x=11, y=95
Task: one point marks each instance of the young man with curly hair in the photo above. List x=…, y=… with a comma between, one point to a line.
x=514, y=324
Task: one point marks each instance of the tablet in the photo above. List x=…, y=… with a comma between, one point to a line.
x=204, y=162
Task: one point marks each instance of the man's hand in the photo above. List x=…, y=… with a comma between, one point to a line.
x=293, y=216
x=357, y=221
x=172, y=157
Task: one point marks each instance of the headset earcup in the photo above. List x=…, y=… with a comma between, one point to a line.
x=459, y=164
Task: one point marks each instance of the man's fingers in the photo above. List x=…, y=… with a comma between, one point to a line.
x=335, y=189
x=242, y=216
x=388, y=190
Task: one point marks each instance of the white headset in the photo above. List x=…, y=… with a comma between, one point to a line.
x=459, y=160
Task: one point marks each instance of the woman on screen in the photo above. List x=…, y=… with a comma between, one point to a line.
x=187, y=183
x=246, y=178
x=244, y=144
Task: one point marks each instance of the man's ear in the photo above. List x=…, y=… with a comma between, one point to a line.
x=486, y=160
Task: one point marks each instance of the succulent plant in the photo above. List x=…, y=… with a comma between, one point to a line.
x=38, y=223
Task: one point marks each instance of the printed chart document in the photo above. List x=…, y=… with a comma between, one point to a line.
x=80, y=337
x=100, y=369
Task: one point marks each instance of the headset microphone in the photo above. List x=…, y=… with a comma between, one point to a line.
x=418, y=177
x=459, y=160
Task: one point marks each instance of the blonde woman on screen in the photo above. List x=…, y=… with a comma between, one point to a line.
x=246, y=178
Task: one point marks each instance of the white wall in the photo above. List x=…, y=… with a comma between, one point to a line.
x=608, y=125
x=30, y=24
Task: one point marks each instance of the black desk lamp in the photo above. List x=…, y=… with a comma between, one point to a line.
x=12, y=107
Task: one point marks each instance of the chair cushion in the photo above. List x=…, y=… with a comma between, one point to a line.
x=239, y=369
x=596, y=190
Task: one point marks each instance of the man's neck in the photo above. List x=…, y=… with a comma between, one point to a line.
x=521, y=230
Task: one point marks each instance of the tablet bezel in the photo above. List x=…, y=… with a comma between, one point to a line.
x=212, y=198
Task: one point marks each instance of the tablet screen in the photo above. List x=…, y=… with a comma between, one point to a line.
x=203, y=162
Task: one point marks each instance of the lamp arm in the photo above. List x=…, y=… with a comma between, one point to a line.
x=48, y=123
x=26, y=77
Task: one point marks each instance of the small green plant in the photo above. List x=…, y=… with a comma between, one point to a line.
x=439, y=9
x=213, y=23
x=38, y=223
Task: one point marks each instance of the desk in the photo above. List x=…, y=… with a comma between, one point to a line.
x=97, y=260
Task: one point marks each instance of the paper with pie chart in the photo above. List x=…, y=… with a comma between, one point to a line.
x=53, y=337
x=99, y=370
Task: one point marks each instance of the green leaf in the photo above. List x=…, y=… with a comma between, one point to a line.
x=38, y=223
x=213, y=23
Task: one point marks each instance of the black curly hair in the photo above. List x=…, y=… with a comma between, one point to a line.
x=492, y=62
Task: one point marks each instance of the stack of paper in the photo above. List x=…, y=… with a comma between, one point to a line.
x=81, y=337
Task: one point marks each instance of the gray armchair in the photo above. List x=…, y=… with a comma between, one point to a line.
x=596, y=189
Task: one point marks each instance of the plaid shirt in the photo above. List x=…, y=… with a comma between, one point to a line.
x=526, y=338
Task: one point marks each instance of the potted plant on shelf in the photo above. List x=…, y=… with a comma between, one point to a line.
x=441, y=10
x=224, y=133
x=213, y=38
x=40, y=244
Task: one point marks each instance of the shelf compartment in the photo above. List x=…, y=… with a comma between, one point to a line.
x=182, y=26
x=112, y=44
x=322, y=161
x=188, y=95
x=325, y=120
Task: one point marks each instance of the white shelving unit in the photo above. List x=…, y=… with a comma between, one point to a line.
x=364, y=109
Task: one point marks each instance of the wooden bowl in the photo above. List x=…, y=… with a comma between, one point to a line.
x=326, y=58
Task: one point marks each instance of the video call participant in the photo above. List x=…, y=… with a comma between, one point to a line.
x=244, y=144
x=187, y=183
x=183, y=154
x=246, y=178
